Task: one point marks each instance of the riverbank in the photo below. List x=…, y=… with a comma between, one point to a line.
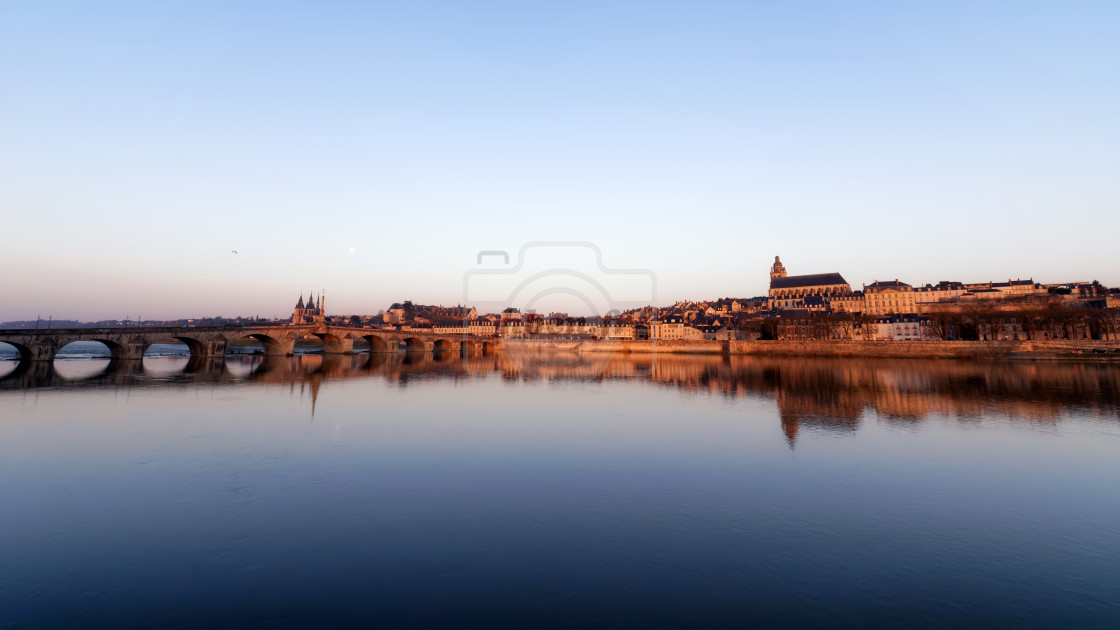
x=1081, y=350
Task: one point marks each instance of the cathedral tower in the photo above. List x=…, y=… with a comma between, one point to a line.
x=778, y=270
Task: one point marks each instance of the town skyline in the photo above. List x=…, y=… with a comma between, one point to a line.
x=162, y=161
x=284, y=310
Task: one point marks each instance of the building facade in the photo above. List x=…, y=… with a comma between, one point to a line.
x=889, y=297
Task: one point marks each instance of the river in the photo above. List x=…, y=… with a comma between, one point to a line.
x=540, y=491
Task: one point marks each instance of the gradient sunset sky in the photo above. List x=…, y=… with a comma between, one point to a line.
x=373, y=149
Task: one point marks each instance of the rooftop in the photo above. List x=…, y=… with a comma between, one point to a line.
x=811, y=280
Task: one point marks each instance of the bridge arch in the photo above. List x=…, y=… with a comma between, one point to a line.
x=92, y=362
x=200, y=346
x=441, y=345
x=412, y=344
x=334, y=344
x=21, y=363
x=361, y=343
x=279, y=345
x=116, y=349
x=377, y=343
x=196, y=347
x=25, y=353
x=487, y=347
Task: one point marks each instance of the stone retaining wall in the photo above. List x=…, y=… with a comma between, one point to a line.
x=884, y=349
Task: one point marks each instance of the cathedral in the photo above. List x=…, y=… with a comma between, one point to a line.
x=788, y=291
x=310, y=313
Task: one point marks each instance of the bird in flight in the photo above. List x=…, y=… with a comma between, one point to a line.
x=233, y=251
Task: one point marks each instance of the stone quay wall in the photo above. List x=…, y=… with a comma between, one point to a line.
x=874, y=349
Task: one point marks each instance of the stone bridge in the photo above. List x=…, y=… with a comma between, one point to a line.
x=131, y=343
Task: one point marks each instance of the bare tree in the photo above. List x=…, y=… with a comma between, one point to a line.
x=822, y=327
x=869, y=326
x=940, y=325
x=1031, y=322
x=1110, y=323
x=997, y=324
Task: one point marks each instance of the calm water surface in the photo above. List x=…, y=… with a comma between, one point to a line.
x=559, y=491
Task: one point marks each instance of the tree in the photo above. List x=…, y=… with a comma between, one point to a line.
x=869, y=325
x=822, y=327
x=1067, y=322
x=1110, y=323
x=355, y=320
x=999, y=326
x=941, y=325
x=1031, y=322
x=991, y=321
x=769, y=329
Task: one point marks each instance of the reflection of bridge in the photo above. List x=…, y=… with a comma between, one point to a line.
x=131, y=343
x=816, y=394
x=240, y=369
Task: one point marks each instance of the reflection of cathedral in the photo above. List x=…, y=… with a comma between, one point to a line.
x=308, y=314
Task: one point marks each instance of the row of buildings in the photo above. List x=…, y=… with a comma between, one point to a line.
x=814, y=306
x=830, y=293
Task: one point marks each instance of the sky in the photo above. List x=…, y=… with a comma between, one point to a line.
x=372, y=150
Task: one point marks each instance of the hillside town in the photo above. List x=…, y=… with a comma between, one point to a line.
x=818, y=306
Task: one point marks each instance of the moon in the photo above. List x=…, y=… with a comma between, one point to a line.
x=353, y=249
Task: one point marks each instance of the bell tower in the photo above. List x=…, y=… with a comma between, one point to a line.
x=778, y=270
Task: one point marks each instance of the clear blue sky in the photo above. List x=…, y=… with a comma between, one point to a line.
x=372, y=149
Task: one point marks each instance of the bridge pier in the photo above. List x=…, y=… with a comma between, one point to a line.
x=204, y=347
x=284, y=347
x=216, y=349
x=39, y=351
x=379, y=345
x=133, y=351
x=274, y=347
x=335, y=345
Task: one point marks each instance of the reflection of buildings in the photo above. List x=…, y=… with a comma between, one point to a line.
x=815, y=394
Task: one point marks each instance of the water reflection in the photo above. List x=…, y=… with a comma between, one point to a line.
x=815, y=394
x=599, y=491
